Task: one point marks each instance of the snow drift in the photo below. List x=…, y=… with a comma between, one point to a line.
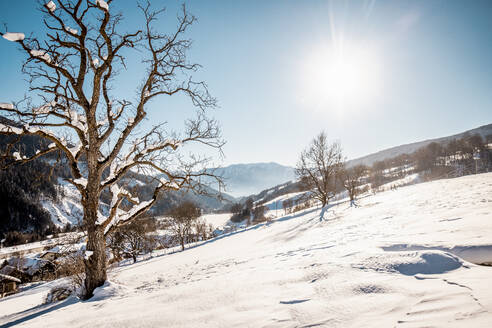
x=394, y=261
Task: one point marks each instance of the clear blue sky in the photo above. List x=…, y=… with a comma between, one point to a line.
x=417, y=70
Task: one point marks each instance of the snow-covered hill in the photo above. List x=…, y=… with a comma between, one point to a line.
x=404, y=258
x=483, y=131
x=66, y=210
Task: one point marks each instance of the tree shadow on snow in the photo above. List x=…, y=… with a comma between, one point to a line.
x=301, y=227
x=230, y=234
x=39, y=310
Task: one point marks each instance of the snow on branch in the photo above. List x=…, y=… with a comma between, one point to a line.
x=41, y=54
x=14, y=37
x=44, y=109
x=51, y=6
x=33, y=128
x=6, y=106
x=138, y=154
x=110, y=224
x=102, y=4
x=115, y=213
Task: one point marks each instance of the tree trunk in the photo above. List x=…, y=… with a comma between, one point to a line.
x=95, y=264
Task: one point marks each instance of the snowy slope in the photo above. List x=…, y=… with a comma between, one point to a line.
x=400, y=259
x=67, y=210
x=217, y=220
x=483, y=131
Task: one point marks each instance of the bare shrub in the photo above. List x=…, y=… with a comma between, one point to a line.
x=58, y=293
x=182, y=220
x=72, y=266
x=132, y=239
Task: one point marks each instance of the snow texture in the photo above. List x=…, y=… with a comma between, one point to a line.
x=17, y=156
x=51, y=6
x=46, y=108
x=103, y=4
x=6, y=106
x=71, y=30
x=81, y=181
x=401, y=258
x=88, y=254
x=13, y=36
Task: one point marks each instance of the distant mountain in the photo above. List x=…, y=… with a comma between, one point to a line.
x=144, y=186
x=248, y=179
x=412, y=147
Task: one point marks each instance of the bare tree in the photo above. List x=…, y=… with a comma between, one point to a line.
x=236, y=208
x=183, y=219
x=318, y=166
x=72, y=70
x=352, y=179
x=259, y=213
x=202, y=231
x=132, y=239
x=287, y=205
x=377, y=175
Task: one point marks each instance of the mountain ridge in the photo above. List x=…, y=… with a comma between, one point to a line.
x=245, y=179
x=409, y=148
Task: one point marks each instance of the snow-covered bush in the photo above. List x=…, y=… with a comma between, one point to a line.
x=58, y=293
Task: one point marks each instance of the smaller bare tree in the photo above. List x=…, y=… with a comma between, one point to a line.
x=236, y=208
x=131, y=239
x=202, y=230
x=183, y=218
x=351, y=179
x=287, y=205
x=259, y=213
x=318, y=167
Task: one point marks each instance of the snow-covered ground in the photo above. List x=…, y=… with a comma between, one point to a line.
x=217, y=220
x=400, y=259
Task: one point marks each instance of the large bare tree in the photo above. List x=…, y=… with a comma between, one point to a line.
x=72, y=72
x=318, y=167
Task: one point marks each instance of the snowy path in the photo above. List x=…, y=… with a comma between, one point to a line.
x=400, y=259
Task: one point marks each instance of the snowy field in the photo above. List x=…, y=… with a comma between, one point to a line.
x=217, y=220
x=403, y=258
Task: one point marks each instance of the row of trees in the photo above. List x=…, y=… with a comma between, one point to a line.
x=249, y=212
x=323, y=172
x=455, y=153
x=182, y=226
x=139, y=237
x=466, y=155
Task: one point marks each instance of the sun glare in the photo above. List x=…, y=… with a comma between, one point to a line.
x=341, y=78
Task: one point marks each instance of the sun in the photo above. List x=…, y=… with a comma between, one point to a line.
x=342, y=78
